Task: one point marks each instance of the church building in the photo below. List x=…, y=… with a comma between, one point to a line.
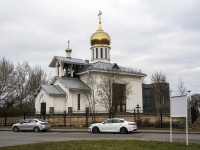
x=97, y=84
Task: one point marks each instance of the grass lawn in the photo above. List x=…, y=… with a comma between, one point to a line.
x=106, y=145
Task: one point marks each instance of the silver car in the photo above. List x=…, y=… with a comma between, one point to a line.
x=31, y=125
x=113, y=125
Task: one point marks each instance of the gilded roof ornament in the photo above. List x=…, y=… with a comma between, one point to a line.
x=100, y=27
x=100, y=38
x=100, y=13
x=68, y=49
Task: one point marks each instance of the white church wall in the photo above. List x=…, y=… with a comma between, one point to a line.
x=83, y=101
x=96, y=77
x=37, y=102
x=43, y=97
x=59, y=104
x=49, y=102
x=135, y=96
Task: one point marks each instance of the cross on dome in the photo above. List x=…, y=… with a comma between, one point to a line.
x=100, y=13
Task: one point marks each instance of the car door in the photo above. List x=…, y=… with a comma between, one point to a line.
x=24, y=125
x=106, y=126
x=116, y=125
x=31, y=124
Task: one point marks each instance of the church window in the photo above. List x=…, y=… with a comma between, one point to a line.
x=96, y=52
x=106, y=53
x=101, y=52
x=93, y=54
x=78, y=102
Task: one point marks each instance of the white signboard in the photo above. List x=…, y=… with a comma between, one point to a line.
x=178, y=106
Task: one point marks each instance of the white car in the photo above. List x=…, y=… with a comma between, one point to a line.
x=31, y=124
x=113, y=125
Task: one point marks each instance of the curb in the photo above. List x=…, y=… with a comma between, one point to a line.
x=85, y=130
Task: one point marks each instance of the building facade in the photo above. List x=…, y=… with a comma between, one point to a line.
x=109, y=84
x=156, y=97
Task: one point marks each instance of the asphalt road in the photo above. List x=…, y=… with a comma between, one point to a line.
x=9, y=138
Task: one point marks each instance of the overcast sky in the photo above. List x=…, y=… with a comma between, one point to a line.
x=162, y=35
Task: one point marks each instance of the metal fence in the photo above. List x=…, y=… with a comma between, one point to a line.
x=82, y=118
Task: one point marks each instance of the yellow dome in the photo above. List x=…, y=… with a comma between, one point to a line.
x=68, y=49
x=100, y=38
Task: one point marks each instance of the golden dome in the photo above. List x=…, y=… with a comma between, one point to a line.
x=100, y=38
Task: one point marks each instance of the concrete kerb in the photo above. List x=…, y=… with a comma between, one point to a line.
x=86, y=130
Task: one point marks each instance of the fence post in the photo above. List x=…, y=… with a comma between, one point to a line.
x=64, y=118
x=86, y=115
x=5, y=118
x=134, y=115
x=24, y=115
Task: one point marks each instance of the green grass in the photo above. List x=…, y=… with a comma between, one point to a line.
x=106, y=145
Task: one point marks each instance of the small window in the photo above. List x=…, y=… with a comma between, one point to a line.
x=78, y=103
x=96, y=52
x=93, y=54
x=101, y=52
x=106, y=53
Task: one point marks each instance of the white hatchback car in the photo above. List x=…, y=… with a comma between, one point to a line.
x=113, y=125
x=31, y=124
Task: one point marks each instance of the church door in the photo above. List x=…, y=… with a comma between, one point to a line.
x=43, y=109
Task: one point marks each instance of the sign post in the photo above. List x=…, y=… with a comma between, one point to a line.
x=179, y=108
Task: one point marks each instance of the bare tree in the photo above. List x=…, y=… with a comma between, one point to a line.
x=112, y=91
x=7, y=79
x=37, y=76
x=22, y=76
x=161, y=92
x=19, y=83
x=181, y=90
x=89, y=89
x=195, y=100
x=158, y=77
x=161, y=89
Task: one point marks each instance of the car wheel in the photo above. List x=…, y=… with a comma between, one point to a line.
x=15, y=129
x=123, y=130
x=36, y=129
x=95, y=130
